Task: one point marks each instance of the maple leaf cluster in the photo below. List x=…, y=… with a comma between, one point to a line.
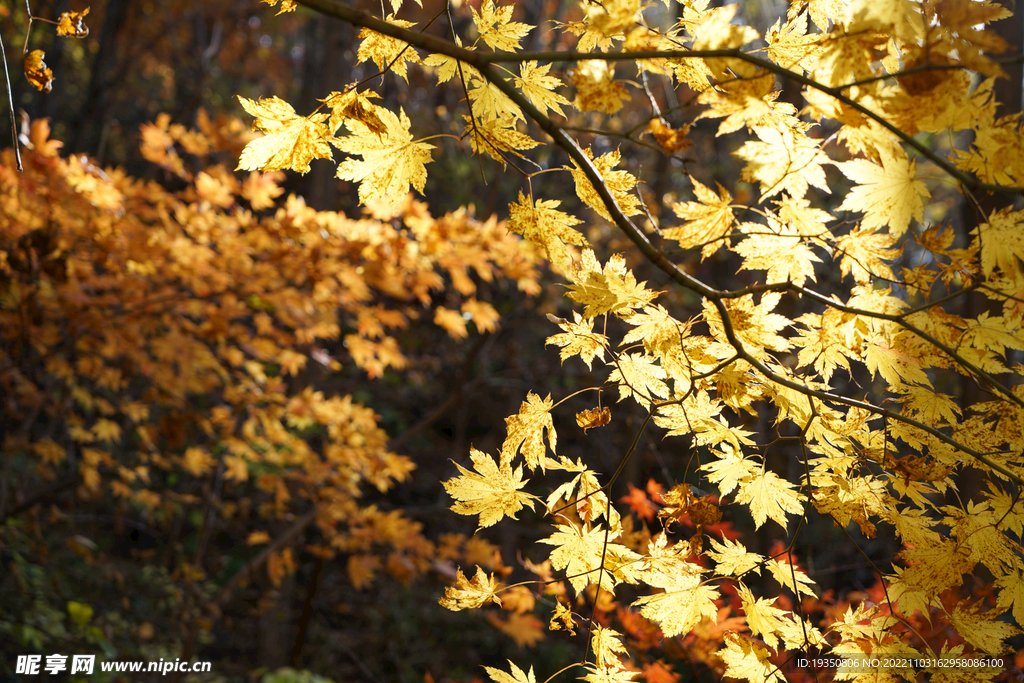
x=152, y=337
x=875, y=76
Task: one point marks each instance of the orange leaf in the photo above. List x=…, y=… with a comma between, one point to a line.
x=72, y=24
x=525, y=629
x=36, y=71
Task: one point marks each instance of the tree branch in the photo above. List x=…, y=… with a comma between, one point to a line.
x=484, y=64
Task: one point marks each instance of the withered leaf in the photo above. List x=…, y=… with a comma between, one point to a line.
x=37, y=72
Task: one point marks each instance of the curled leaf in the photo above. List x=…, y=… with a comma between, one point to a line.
x=594, y=417
x=354, y=105
x=72, y=24
x=470, y=594
x=37, y=72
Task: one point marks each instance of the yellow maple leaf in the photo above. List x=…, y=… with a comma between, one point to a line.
x=540, y=221
x=638, y=376
x=823, y=344
x=482, y=314
x=785, y=573
x=682, y=606
x=1011, y=593
x=107, y=430
x=467, y=594
x=886, y=193
x=790, y=46
x=448, y=67
x=496, y=28
x=451, y=321
x=593, y=417
x=488, y=102
x=745, y=102
x=730, y=470
x=672, y=140
x=607, y=646
x=197, y=461
x=578, y=550
x=715, y=30
x=352, y=104
x=606, y=291
x=561, y=619
x=763, y=619
x=526, y=432
x=497, y=136
x=825, y=11
x=289, y=141
x=806, y=221
x=864, y=254
x=1001, y=241
x=618, y=183
x=517, y=675
x=387, y=52
x=747, y=660
x=36, y=71
x=709, y=220
x=533, y=81
x=786, y=257
x=664, y=563
x=784, y=159
x=579, y=339
x=982, y=630
x=769, y=496
x=754, y=325
x=493, y=493
x=596, y=87
x=891, y=359
x=656, y=328
x=613, y=673
x=733, y=558
x=236, y=468
x=589, y=39
x=391, y=162
x=261, y=189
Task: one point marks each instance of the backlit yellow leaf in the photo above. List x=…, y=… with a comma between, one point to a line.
x=770, y=496
x=493, y=492
x=470, y=594
x=390, y=163
x=289, y=141
x=387, y=52
x=709, y=220
x=886, y=193
x=526, y=432
x=496, y=27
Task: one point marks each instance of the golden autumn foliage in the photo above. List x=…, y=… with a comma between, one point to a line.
x=827, y=322
x=851, y=352
x=161, y=336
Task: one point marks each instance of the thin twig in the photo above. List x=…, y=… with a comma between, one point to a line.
x=10, y=106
